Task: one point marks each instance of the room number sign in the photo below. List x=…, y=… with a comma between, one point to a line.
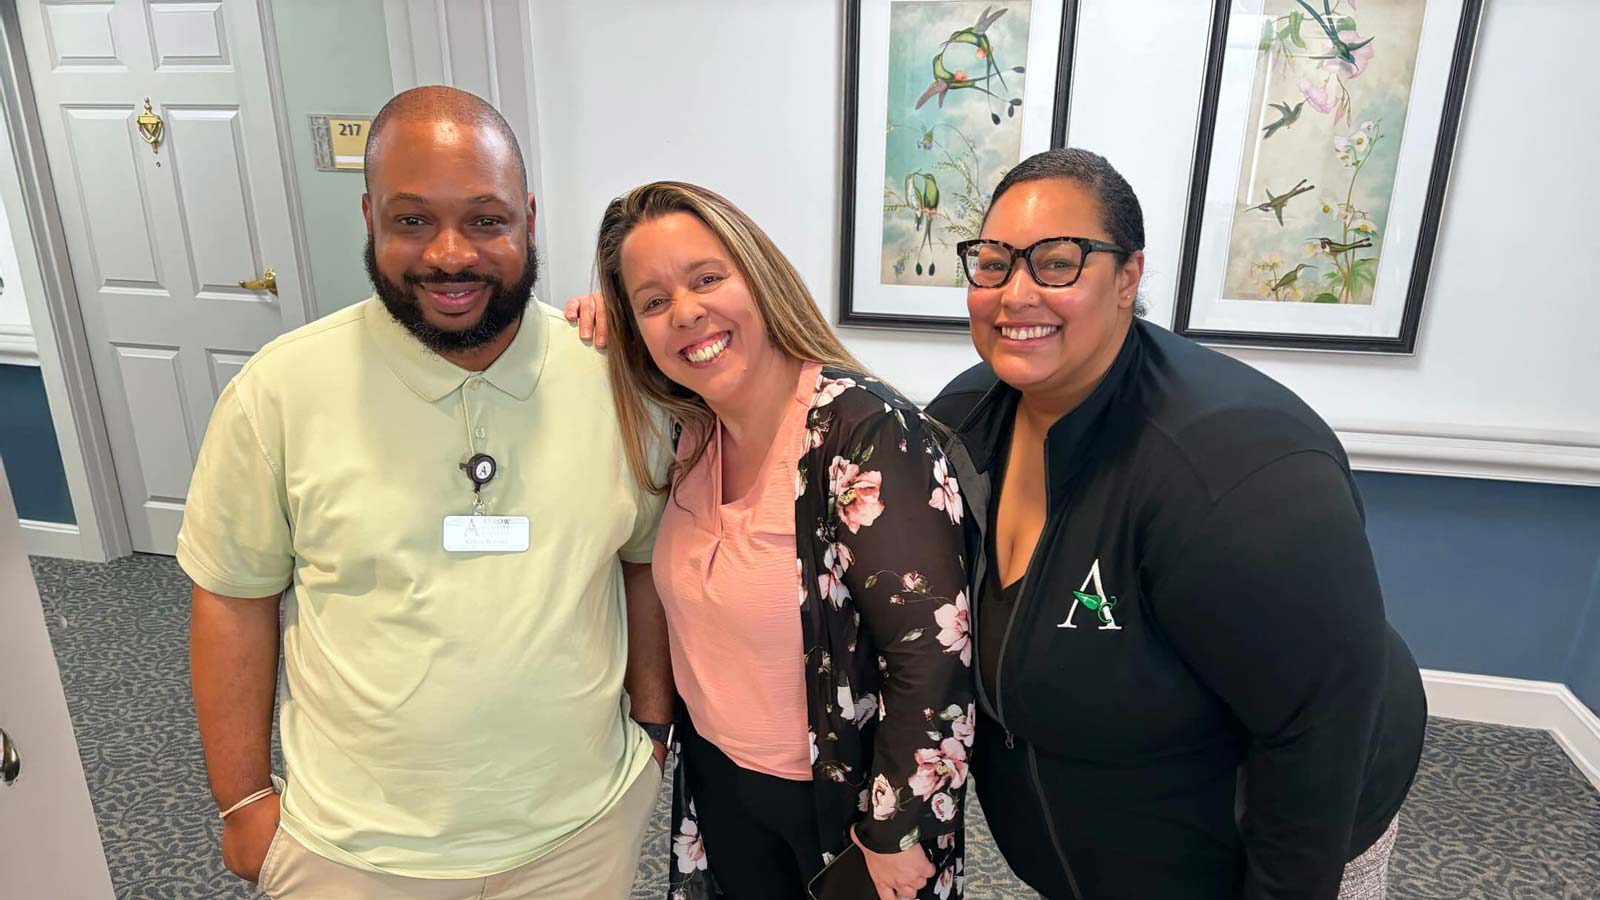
x=339, y=143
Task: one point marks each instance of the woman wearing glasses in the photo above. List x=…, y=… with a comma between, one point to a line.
x=1187, y=686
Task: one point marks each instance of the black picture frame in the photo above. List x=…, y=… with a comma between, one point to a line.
x=1444, y=150
x=848, y=315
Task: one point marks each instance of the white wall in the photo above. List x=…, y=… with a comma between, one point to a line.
x=745, y=98
x=17, y=343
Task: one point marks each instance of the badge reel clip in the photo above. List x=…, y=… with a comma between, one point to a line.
x=481, y=469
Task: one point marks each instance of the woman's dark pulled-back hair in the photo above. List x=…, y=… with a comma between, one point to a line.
x=1120, y=213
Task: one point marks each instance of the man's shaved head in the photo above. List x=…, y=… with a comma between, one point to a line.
x=440, y=104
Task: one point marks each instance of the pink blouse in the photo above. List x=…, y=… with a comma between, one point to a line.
x=726, y=575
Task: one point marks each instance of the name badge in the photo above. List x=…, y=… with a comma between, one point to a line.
x=486, y=534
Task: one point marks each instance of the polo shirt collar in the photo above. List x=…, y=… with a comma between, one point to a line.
x=432, y=377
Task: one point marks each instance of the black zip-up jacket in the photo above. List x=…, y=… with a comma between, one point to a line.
x=1195, y=692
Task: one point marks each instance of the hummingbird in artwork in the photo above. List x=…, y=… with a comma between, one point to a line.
x=1341, y=49
x=1289, y=278
x=1329, y=245
x=1276, y=202
x=922, y=194
x=1287, y=116
x=945, y=81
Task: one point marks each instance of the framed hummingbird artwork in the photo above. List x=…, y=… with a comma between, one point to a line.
x=1321, y=160
x=942, y=98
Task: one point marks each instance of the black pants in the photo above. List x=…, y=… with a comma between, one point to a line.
x=760, y=832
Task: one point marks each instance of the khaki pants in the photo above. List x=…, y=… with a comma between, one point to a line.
x=599, y=862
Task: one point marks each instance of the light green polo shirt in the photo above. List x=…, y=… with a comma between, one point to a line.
x=444, y=715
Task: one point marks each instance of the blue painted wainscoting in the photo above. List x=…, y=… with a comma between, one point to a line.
x=28, y=446
x=1491, y=577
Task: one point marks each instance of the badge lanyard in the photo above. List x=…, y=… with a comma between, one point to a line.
x=481, y=533
x=480, y=467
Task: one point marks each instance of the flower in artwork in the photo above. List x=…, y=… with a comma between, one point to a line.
x=1316, y=95
x=943, y=806
x=1350, y=147
x=947, y=880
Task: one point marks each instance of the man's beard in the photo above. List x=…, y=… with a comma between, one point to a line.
x=505, y=306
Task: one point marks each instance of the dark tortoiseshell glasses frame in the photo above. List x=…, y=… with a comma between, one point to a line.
x=1012, y=254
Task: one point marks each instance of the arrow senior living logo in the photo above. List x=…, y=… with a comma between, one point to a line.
x=1099, y=602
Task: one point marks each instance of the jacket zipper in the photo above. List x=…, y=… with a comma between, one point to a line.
x=1050, y=823
x=1005, y=640
x=999, y=678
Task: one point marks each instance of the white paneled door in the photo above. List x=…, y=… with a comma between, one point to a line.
x=161, y=234
x=49, y=846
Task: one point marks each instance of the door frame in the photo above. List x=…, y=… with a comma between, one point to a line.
x=26, y=189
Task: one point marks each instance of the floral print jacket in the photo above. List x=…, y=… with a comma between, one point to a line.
x=878, y=534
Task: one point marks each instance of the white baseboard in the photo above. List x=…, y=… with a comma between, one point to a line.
x=1524, y=704
x=52, y=539
x=18, y=347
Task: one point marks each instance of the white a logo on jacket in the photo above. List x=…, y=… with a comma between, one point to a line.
x=1100, y=603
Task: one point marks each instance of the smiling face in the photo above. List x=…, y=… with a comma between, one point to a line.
x=1053, y=344
x=450, y=249
x=693, y=308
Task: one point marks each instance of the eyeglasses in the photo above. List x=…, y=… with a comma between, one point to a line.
x=1053, y=262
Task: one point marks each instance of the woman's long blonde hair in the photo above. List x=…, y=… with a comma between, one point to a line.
x=794, y=324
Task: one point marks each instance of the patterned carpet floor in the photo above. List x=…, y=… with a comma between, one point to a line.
x=1495, y=812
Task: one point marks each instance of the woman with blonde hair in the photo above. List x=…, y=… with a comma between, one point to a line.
x=809, y=563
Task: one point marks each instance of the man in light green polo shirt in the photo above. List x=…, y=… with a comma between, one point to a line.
x=454, y=716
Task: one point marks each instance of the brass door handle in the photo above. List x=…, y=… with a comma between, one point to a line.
x=10, y=761
x=267, y=282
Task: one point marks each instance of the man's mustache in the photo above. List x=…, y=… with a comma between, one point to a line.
x=439, y=277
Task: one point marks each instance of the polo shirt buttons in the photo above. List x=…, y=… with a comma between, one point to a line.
x=474, y=383
x=478, y=432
